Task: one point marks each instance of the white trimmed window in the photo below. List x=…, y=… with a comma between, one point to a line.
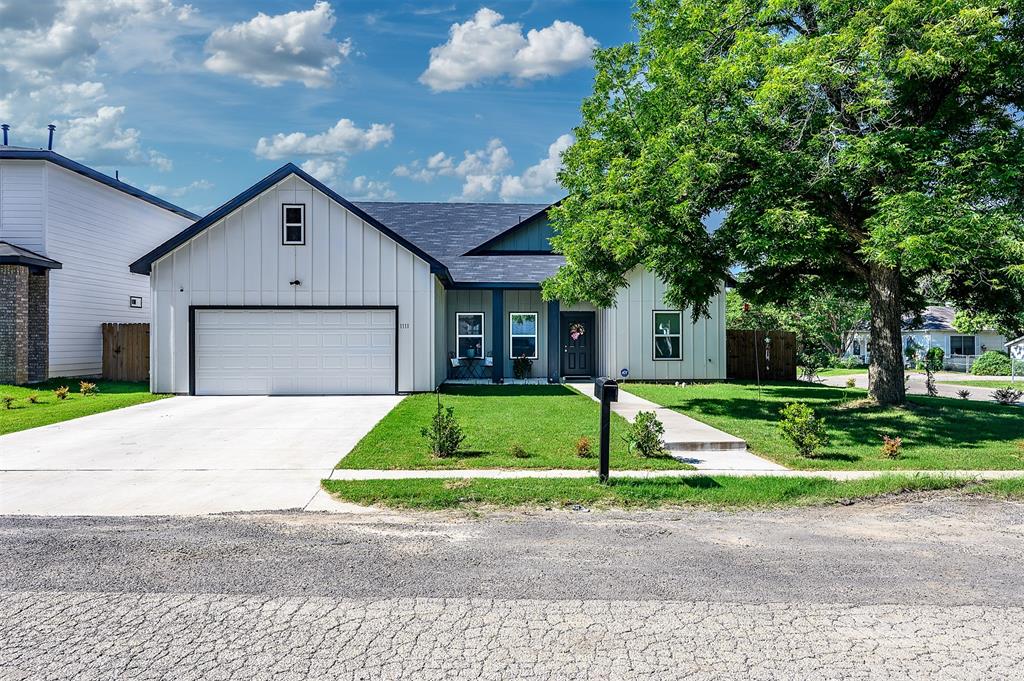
x=469, y=334
x=961, y=345
x=522, y=334
x=293, y=224
x=668, y=334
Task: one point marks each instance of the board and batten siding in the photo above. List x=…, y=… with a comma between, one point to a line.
x=95, y=232
x=628, y=335
x=240, y=260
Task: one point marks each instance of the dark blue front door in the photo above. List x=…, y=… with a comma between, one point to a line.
x=578, y=337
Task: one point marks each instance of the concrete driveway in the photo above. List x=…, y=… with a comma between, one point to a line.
x=185, y=455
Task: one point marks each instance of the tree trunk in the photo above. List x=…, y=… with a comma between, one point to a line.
x=885, y=375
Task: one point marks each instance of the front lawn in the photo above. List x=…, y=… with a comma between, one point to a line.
x=24, y=414
x=938, y=433
x=648, y=492
x=544, y=420
x=842, y=372
x=991, y=384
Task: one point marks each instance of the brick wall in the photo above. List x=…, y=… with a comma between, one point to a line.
x=13, y=324
x=38, y=327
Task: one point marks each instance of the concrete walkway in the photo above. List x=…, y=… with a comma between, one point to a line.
x=689, y=440
x=512, y=474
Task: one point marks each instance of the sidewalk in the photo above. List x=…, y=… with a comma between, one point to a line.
x=690, y=440
x=511, y=474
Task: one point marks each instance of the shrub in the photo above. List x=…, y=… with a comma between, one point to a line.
x=444, y=434
x=645, y=435
x=8, y=401
x=992, y=363
x=61, y=392
x=33, y=398
x=87, y=388
x=521, y=367
x=892, y=447
x=963, y=394
x=850, y=362
x=584, y=450
x=851, y=382
x=1007, y=395
x=805, y=430
x=517, y=451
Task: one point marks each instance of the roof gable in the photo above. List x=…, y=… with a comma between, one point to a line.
x=531, y=235
x=19, y=153
x=144, y=264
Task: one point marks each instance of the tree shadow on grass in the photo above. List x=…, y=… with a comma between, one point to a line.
x=529, y=390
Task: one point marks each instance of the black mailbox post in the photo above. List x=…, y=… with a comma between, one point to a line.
x=606, y=390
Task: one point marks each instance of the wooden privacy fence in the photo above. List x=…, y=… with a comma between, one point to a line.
x=126, y=352
x=772, y=355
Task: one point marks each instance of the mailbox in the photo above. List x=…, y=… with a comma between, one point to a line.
x=606, y=389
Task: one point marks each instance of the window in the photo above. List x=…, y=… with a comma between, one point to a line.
x=293, y=224
x=668, y=335
x=961, y=345
x=522, y=334
x=469, y=334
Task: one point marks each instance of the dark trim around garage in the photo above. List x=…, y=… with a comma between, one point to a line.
x=192, y=328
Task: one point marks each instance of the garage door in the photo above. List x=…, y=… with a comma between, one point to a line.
x=284, y=351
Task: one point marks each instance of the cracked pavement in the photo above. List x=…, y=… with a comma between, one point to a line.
x=927, y=587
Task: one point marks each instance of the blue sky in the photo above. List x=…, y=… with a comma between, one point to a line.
x=387, y=100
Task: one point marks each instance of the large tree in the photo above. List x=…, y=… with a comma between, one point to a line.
x=869, y=144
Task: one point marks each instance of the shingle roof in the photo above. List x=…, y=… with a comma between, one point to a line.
x=448, y=230
x=16, y=255
x=933, y=318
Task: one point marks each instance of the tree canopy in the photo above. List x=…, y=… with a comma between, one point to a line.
x=866, y=144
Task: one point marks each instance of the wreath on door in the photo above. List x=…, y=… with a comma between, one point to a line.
x=576, y=331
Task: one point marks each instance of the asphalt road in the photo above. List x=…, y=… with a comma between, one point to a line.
x=931, y=587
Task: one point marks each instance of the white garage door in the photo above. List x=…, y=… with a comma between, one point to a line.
x=294, y=352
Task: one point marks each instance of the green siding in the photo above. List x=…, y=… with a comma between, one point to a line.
x=533, y=235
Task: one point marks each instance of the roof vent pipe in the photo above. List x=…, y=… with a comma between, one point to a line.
x=5, y=127
x=51, y=127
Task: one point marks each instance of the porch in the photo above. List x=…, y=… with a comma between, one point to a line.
x=485, y=330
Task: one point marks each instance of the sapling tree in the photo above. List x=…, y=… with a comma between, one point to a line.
x=868, y=144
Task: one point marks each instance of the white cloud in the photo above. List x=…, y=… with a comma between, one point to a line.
x=361, y=188
x=270, y=50
x=324, y=170
x=539, y=179
x=364, y=189
x=178, y=192
x=484, y=48
x=344, y=138
x=104, y=140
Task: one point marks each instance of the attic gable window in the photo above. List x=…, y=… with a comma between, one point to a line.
x=293, y=224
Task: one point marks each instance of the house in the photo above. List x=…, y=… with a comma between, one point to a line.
x=288, y=288
x=66, y=232
x=934, y=328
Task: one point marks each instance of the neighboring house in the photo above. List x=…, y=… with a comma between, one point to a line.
x=66, y=234
x=934, y=328
x=290, y=289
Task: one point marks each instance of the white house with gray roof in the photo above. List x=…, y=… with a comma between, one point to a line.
x=66, y=233
x=289, y=288
x=934, y=328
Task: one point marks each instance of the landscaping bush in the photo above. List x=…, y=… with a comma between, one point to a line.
x=8, y=401
x=1007, y=395
x=645, y=435
x=444, y=434
x=851, y=382
x=963, y=394
x=584, y=449
x=33, y=398
x=992, y=363
x=933, y=362
x=805, y=430
x=892, y=447
x=87, y=388
x=61, y=392
x=521, y=367
x=517, y=451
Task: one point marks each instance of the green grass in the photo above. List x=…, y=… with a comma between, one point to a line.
x=546, y=421
x=841, y=372
x=725, y=492
x=992, y=384
x=112, y=395
x=938, y=433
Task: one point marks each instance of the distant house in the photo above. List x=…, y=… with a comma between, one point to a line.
x=67, y=233
x=289, y=288
x=934, y=328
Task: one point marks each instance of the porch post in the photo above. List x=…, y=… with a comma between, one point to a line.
x=554, y=341
x=498, y=334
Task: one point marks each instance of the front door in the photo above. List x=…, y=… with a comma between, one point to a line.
x=578, y=336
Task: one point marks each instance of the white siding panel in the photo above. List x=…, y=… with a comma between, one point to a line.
x=96, y=232
x=344, y=262
x=23, y=204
